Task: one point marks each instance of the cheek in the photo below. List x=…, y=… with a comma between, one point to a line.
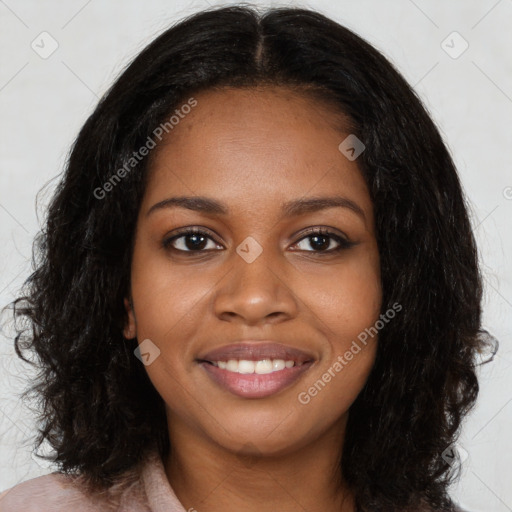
x=330, y=393
x=347, y=305
x=347, y=299
x=165, y=300
x=166, y=308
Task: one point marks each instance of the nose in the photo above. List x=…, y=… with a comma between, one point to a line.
x=256, y=293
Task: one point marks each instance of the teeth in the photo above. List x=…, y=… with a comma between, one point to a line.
x=259, y=367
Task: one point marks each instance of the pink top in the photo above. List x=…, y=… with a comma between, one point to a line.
x=150, y=491
x=147, y=491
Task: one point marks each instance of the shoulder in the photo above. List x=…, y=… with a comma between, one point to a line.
x=55, y=492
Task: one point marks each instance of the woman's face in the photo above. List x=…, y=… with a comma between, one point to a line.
x=255, y=275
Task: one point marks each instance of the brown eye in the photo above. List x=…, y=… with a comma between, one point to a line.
x=322, y=240
x=190, y=240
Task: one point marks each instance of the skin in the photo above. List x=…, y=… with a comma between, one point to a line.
x=255, y=149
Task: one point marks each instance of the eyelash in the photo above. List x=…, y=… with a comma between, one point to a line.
x=343, y=243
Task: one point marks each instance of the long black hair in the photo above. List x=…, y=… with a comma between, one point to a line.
x=100, y=412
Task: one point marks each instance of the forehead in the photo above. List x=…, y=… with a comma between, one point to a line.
x=252, y=146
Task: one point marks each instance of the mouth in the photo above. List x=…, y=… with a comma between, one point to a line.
x=255, y=369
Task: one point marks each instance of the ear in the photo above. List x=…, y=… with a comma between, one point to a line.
x=130, y=328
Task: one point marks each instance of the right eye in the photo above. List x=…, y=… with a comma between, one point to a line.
x=189, y=240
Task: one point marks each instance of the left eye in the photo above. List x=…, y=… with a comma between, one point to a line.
x=320, y=240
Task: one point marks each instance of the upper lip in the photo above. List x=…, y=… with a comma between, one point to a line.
x=256, y=351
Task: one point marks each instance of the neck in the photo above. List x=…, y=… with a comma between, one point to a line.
x=207, y=476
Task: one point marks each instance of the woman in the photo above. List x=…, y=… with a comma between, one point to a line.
x=257, y=288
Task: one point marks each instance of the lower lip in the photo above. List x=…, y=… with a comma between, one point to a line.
x=253, y=385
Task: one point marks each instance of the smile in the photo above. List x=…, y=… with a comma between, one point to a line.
x=254, y=379
x=260, y=367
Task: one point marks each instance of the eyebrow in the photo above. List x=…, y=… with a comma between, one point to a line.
x=295, y=207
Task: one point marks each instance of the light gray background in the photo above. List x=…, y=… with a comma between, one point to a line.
x=44, y=102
